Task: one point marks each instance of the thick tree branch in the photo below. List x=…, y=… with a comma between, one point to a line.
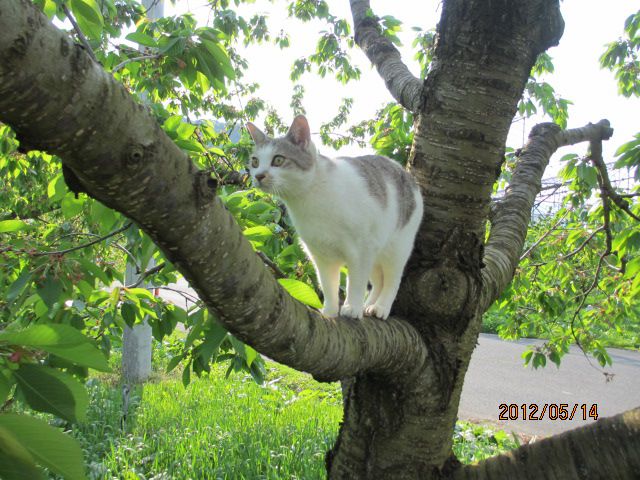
x=125, y=160
x=608, y=448
x=511, y=219
x=404, y=87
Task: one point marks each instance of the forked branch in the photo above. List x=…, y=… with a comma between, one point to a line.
x=510, y=220
x=403, y=85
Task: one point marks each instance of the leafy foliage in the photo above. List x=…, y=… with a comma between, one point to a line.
x=622, y=57
x=63, y=306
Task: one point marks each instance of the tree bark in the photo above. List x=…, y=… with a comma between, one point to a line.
x=404, y=375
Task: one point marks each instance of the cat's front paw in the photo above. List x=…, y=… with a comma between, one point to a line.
x=329, y=311
x=351, y=312
x=377, y=310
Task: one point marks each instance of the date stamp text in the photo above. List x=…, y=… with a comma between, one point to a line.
x=549, y=411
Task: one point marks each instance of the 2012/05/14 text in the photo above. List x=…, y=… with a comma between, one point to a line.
x=550, y=411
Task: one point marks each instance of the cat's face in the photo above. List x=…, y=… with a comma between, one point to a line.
x=283, y=166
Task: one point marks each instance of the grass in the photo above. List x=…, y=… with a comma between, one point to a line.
x=216, y=428
x=231, y=428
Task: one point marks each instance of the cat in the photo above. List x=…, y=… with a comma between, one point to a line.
x=360, y=211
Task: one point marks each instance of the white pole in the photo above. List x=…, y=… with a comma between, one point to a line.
x=136, y=341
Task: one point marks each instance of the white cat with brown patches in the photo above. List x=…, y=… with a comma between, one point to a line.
x=362, y=212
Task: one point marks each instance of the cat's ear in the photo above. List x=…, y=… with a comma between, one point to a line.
x=299, y=133
x=257, y=135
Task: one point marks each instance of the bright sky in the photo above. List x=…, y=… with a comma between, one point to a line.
x=590, y=24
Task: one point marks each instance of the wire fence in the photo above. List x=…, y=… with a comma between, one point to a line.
x=554, y=190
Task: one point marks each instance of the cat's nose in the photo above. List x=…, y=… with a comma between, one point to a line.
x=260, y=176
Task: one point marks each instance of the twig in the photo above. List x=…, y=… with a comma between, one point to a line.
x=276, y=270
x=76, y=27
x=541, y=239
x=134, y=59
x=603, y=178
x=93, y=242
x=146, y=274
x=605, y=190
x=583, y=244
x=187, y=296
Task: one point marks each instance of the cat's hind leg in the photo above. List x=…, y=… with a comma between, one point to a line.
x=392, y=260
x=329, y=276
x=376, y=285
x=360, y=268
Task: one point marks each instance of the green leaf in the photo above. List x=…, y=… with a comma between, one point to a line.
x=56, y=189
x=17, y=287
x=301, y=292
x=5, y=387
x=93, y=270
x=49, y=447
x=16, y=463
x=62, y=340
x=50, y=290
x=185, y=130
x=104, y=215
x=88, y=16
x=260, y=233
x=52, y=391
x=7, y=226
x=128, y=312
x=186, y=375
x=213, y=338
x=221, y=58
x=71, y=206
x=174, y=362
x=142, y=39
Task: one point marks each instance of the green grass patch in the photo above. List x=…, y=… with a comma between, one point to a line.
x=219, y=428
x=215, y=428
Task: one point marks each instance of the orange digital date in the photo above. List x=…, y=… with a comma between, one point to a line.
x=550, y=411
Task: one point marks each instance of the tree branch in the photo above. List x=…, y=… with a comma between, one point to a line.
x=512, y=215
x=541, y=239
x=85, y=245
x=115, y=145
x=146, y=274
x=134, y=59
x=608, y=448
x=595, y=156
x=405, y=88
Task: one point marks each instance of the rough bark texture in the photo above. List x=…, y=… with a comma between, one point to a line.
x=404, y=87
x=57, y=99
x=403, y=376
x=511, y=216
x=605, y=450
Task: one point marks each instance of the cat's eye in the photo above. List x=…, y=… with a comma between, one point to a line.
x=277, y=160
x=254, y=162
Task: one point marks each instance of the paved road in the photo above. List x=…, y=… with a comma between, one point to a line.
x=496, y=375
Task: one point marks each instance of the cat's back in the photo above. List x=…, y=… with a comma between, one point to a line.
x=385, y=183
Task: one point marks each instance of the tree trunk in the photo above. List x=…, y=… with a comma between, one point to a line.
x=484, y=53
x=402, y=377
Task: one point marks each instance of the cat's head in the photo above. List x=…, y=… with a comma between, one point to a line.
x=284, y=166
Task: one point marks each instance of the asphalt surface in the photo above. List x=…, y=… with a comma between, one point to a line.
x=497, y=376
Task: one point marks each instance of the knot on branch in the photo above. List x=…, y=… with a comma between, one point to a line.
x=543, y=129
x=206, y=187
x=135, y=155
x=446, y=290
x=605, y=129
